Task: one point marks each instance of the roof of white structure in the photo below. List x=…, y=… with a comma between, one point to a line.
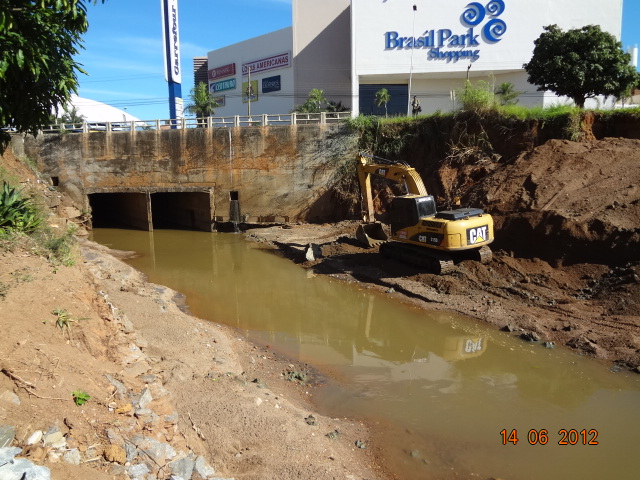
x=94, y=111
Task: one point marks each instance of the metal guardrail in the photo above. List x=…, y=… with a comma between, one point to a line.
x=321, y=118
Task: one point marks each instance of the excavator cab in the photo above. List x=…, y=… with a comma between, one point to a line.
x=408, y=210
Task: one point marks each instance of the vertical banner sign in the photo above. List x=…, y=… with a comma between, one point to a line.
x=171, y=43
x=253, y=91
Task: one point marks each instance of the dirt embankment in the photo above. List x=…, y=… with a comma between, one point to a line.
x=566, y=265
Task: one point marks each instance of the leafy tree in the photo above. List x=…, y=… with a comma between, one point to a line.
x=202, y=103
x=506, y=94
x=39, y=39
x=580, y=63
x=382, y=98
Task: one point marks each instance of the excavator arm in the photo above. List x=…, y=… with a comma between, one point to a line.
x=396, y=172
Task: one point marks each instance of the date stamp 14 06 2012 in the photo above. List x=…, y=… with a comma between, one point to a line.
x=541, y=437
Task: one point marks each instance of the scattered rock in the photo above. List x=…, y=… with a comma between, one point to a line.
x=72, y=456
x=52, y=438
x=183, y=468
x=312, y=252
x=7, y=434
x=19, y=468
x=203, y=469
x=333, y=435
x=530, y=337
x=145, y=399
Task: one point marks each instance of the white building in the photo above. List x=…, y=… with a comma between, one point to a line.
x=427, y=48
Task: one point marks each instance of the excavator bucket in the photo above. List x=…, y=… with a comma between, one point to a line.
x=371, y=234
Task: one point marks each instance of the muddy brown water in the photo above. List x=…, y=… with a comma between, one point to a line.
x=447, y=398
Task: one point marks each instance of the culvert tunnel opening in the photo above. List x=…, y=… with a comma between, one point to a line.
x=119, y=210
x=182, y=211
x=149, y=211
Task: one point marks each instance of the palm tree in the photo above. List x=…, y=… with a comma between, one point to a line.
x=506, y=94
x=382, y=98
x=314, y=102
x=202, y=103
x=316, y=98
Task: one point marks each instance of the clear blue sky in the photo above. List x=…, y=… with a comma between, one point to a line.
x=123, y=47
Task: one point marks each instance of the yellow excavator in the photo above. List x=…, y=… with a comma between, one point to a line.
x=420, y=235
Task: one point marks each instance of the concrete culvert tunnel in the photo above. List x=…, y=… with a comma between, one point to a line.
x=152, y=210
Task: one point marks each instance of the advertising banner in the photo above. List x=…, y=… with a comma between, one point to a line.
x=252, y=92
x=271, y=84
x=221, y=72
x=222, y=85
x=220, y=100
x=281, y=60
x=171, y=41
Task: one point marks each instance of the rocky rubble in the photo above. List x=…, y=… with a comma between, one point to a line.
x=144, y=442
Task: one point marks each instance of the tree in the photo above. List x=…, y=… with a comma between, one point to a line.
x=38, y=73
x=382, y=98
x=202, y=101
x=506, y=94
x=333, y=106
x=71, y=115
x=580, y=63
x=314, y=102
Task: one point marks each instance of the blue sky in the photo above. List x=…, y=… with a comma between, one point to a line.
x=123, y=47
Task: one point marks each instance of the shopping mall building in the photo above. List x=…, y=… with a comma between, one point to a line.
x=350, y=49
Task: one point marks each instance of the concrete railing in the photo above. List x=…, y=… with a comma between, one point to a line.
x=321, y=118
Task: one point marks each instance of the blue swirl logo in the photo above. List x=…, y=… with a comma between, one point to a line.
x=475, y=13
x=495, y=8
x=494, y=29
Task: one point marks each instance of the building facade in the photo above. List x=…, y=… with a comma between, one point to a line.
x=350, y=49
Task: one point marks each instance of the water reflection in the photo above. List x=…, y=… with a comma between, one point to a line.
x=438, y=384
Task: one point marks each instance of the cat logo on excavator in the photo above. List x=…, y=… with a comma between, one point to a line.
x=477, y=235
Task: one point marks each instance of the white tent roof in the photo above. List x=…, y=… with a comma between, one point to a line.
x=94, y=112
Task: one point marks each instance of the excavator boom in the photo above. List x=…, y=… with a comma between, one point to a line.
x=396, y=172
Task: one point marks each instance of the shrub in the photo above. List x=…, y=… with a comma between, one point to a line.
x=17, y=213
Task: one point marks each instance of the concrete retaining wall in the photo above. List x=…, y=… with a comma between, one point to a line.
x=278, y=173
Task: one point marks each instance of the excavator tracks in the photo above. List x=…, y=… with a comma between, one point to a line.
x=433, y=260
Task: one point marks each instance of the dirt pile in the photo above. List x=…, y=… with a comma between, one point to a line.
x=568, y=201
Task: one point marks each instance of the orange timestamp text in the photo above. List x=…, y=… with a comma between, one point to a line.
x=541, y=436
